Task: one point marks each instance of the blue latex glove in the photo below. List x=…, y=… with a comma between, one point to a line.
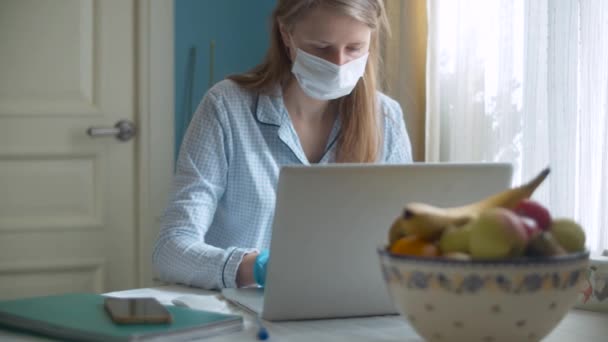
x=259, y=267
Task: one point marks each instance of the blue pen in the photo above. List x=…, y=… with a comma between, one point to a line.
x=262, y=332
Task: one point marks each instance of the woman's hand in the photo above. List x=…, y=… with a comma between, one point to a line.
x=252, y=269
x=244, y=275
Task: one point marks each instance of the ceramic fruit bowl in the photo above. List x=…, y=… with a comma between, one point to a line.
x=517, y=299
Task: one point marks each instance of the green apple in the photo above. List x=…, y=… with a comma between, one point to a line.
x=455, y=239
x=569, y=234
x=497, y=233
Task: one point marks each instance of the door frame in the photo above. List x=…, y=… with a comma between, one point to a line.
x=154, y=26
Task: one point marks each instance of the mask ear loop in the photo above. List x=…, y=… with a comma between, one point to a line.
x=288, y=54
x=287, y=51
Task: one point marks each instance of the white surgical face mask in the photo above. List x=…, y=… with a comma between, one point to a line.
x=324, y=80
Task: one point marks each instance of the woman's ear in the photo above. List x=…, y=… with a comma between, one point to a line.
x=284, y=34
x=286, y=38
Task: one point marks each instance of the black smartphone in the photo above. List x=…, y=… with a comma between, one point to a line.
x=136, y=310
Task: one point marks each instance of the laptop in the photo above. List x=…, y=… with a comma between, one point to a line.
x=329, y=221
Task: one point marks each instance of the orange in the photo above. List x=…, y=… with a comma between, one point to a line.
x=413, y=245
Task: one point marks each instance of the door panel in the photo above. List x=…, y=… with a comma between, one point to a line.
x=66, y=199
x=47, y=55
x=34, y=183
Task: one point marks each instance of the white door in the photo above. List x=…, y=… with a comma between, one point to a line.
x=67, y=209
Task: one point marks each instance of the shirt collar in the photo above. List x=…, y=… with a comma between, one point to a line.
x=270, y=108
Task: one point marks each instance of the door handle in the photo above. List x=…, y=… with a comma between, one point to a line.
x=123, y=130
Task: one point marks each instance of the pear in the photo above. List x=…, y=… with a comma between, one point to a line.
x=455, y=239
x=497, y=233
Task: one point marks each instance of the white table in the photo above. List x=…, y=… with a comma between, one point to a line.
x=578, y=325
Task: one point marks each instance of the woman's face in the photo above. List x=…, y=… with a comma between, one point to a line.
x=324, y=33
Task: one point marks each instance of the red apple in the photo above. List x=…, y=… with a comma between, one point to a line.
x=531, y=226
x=536, y=211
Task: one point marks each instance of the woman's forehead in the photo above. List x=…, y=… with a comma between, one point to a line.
x=330, y=26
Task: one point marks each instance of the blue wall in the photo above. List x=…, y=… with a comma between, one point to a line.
x=239, y=29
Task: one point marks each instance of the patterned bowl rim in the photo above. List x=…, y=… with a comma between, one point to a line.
x=520, y=261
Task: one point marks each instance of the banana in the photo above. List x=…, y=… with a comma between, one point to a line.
x=397, y=231
x=428, y=221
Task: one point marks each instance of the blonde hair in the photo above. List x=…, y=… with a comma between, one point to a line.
x=361, y=136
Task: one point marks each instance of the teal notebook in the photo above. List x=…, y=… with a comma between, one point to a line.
x=81, y=317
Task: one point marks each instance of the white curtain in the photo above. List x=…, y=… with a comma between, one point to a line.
x=525, y=81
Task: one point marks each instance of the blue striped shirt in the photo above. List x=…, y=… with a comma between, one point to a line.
x=222, y=202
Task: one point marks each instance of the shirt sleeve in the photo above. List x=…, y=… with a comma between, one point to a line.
x=397, y=146
x=181, y=254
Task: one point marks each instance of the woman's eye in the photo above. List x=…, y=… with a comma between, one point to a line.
x=354, y=49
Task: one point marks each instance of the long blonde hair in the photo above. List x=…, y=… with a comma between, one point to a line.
x=361, y=136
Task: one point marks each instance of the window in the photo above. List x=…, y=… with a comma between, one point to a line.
x=525, y=81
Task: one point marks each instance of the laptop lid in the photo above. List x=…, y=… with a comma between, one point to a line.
x=329, y=220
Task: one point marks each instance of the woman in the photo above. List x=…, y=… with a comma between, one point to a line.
x=313, y=100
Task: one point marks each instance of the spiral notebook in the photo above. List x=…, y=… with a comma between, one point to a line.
x=81, y=317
